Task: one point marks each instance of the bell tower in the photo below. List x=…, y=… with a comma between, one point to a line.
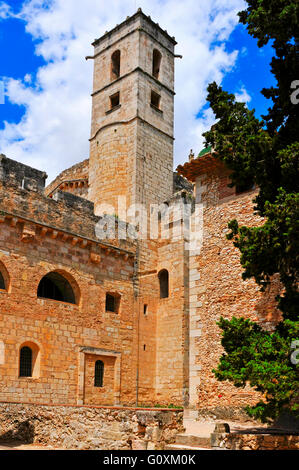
x=131, y=143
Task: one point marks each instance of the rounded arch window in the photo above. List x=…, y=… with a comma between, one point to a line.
x=98, y=373
x=2, y=282
x=163, y=277
x=4, y=277
x=56, y=286
x=29, y=360
x=115, y=65
x=157, y=57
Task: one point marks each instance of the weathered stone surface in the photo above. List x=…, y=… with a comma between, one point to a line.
x=260, y=442
x=86, y=427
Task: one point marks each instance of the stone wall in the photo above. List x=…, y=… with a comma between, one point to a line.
x=73, y=179
x=90, y=427
x=217, y=289
x=39, y=235
x=261, y=442
x=235, y=441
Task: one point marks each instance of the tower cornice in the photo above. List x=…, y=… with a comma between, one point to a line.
x=129, y=20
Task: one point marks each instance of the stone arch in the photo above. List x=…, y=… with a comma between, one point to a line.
x=157, y=58
x=4, y=278
x=163, y=277
x=59, y=285
x=29, y=359
x=115, y=65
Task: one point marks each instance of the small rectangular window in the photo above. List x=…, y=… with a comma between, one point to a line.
x=145, y=309
x=112, y=303
x=114, y=100
x=155, y=99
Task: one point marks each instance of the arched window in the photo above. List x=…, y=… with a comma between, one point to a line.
x=164, y=283
x=56, y=287
x=157, y=57
x=25, y=362
x=4, y=277
x=115, y=65
x=29, y=357
x=2, y=282
x=98, y=373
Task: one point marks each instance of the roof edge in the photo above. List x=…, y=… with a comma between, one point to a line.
x=128, y=20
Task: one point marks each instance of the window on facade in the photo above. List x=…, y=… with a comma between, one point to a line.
x=246, y=186
x=98, y=373
x=25, y=362
x=164, y=283
x=155, y=99
x=156, y=63
x=115, y=65
x=4, y=277
x=114, y=100
x=56, y=287
x=2, y=282
x=145, y=309
x=112, y=303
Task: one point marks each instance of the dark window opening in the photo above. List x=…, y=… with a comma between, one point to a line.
x=144, y=347
x=114, y=100
x=56, y=287
x=155, y=99
x=98, y=373
x=164, y=283
x=115, y=65
x=246, y=186
x=26, y=362
x=145, y=309
x=112, y=303
x=156, y=63
x=2, y=282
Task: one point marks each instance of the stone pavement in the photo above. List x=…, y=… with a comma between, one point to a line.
x=197, y=432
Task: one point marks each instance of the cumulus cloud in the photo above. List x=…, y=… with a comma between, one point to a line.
x=5, y=11
x=54, y=130
x=243, y=95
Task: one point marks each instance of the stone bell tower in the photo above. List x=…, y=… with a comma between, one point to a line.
x=131, y=143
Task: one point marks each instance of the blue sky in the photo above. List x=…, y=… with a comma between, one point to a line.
x=18, y=58
x=46, y=114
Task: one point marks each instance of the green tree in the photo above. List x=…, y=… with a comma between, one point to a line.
x=265, y=153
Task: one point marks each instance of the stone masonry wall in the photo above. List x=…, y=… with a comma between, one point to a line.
x=90, y=427
x=61, y=329
x=76, y=173
x=217, y=289
x=245, y=441
x=39, y=235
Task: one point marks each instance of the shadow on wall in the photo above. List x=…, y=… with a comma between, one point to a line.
x=22, y=431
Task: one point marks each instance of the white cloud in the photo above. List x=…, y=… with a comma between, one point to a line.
x=53, y=133
x=5, y=11
x=243, y=95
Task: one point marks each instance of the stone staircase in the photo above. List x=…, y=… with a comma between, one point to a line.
x=196, y=435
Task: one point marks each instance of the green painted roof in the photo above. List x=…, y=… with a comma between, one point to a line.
x=205, y=151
